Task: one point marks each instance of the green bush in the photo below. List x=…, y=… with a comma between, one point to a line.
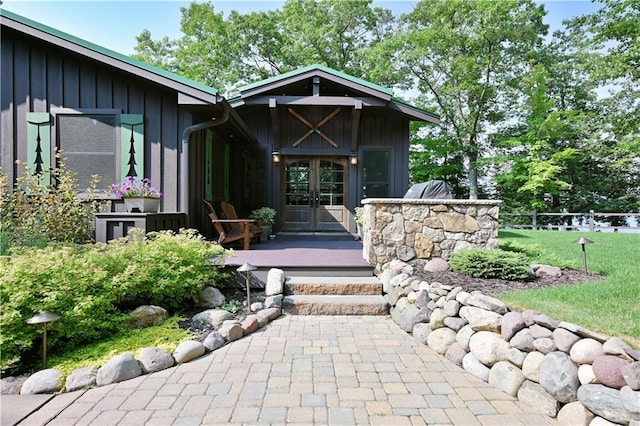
x=484, y=263
x=532, y=251
x=90, y=285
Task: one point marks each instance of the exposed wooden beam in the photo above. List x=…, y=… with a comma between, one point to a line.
x=355, y=125
x=316, y=86
x=317, y=101
x=315, y=128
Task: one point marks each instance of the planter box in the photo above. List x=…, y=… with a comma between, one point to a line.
x=142, y=204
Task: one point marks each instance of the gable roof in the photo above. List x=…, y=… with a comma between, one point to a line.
x=366, y=88
x=191, y=88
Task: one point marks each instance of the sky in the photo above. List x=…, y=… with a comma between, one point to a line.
x=115, y=24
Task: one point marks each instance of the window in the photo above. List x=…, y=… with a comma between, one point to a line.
x=376, y=173
x=88, y=143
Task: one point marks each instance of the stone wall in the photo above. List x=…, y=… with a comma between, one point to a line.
x=408, y=229
x=576, y=375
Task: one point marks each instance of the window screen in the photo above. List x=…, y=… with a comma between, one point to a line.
x=375, y=174
x=88, y=143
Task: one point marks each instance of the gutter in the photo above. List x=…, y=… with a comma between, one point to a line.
x=184, y=160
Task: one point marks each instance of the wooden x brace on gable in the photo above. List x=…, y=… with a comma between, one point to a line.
x=316, y=128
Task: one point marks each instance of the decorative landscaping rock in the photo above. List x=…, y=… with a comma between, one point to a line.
x=531, y=366
x=256, y=306
x=574, y=413
x=436, y=265
x=437, y=318
x=585, y=351
x=451, y=308
x=385, y=278
x=213, y=317
x=439, y=340
x=455, y=353
x=604, y=402
x=471, y=364
x=534, y=395
x=213, y=341
x=455, y=323
x=488, y=348
x=523, y=340
x=422, y=299
x=405, y=315
x=607, y=370
x=631, y=401
x=275, y=282
x=211, y=297
x=583, y=332
x=599, y=421
x=421, y=331
x=559, y=376
x=631, y=374
x=44, y=381
x=464, y=335
x=586, y=375
x=82, y=378
x=546, y=321
x=545, y=345
x=453, y=294
x=539, y=332
x=270, y=313
x=250, y=324
x=11, y=385
x=528, y=317
x=546, y=271
x=188, y=350
x=488, y=303
x=155, y=359
x=463, y=297
x=480, y=319
x=506, y=377
x=146, y=316
x=274, y=301
x=564, y=339
x=119, y=368
x=616, y=346
x=512, y=322
x=231, y=331
x=515, y=357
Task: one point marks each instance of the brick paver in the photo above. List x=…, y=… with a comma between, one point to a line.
x=302, y=370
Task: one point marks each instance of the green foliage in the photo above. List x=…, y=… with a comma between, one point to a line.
x=232, y=306
x=265, y=215
x=532, y=251
x=484, y=263
x=87, y=286
x=37, y=212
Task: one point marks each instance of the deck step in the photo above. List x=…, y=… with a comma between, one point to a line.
x=303, y=304
x=333, y=285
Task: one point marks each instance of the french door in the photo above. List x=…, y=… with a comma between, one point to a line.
x=314, y=194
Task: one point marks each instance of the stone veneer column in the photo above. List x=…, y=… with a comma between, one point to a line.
x=409, y=229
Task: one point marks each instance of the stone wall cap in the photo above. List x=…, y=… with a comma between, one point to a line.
x=431, y=201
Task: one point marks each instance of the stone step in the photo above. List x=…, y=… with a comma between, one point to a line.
x=333, y=285
x=336, y=305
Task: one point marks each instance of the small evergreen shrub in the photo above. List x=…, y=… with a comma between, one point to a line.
x=485, y=263
x=532, y=251
x=93, y=286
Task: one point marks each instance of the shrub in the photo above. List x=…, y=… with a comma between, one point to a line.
x=532, y=251
x=484, y=263
x=88, y=284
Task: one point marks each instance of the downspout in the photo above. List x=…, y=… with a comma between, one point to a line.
x=184, y=161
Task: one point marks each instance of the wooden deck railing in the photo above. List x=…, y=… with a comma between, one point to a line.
x=591, y=221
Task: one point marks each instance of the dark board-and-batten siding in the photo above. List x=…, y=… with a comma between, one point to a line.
x=38, y=77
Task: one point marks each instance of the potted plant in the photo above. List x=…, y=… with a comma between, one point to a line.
x=138, y=195
x=265, y=217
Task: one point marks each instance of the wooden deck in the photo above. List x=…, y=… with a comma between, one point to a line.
x=299, y=254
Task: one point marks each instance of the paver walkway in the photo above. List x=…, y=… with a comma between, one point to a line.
x=335, y=370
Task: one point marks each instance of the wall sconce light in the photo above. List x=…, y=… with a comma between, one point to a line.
x=275, y=156
x=353, y=158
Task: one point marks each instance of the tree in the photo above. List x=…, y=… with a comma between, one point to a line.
x=466, y=57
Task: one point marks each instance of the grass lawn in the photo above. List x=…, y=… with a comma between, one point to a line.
x=611, y=306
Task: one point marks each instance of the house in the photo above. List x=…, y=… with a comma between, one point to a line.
x=310, y=143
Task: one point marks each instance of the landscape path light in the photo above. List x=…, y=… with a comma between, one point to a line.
x=247, y=268
x=44, y=318
x=583, y=242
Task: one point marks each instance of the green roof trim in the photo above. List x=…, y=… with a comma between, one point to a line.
x=415, y=108
x=110, y=53
x=321, y=68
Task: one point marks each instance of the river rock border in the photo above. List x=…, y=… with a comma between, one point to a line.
x=566, y=371
x=409, y=229
x=125, y=366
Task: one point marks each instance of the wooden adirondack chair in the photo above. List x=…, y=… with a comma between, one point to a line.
x=229, y=212
x=243, y=233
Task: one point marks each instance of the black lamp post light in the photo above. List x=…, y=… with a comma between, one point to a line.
x=583, y=242
x=247, y=268
x=44, y=318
